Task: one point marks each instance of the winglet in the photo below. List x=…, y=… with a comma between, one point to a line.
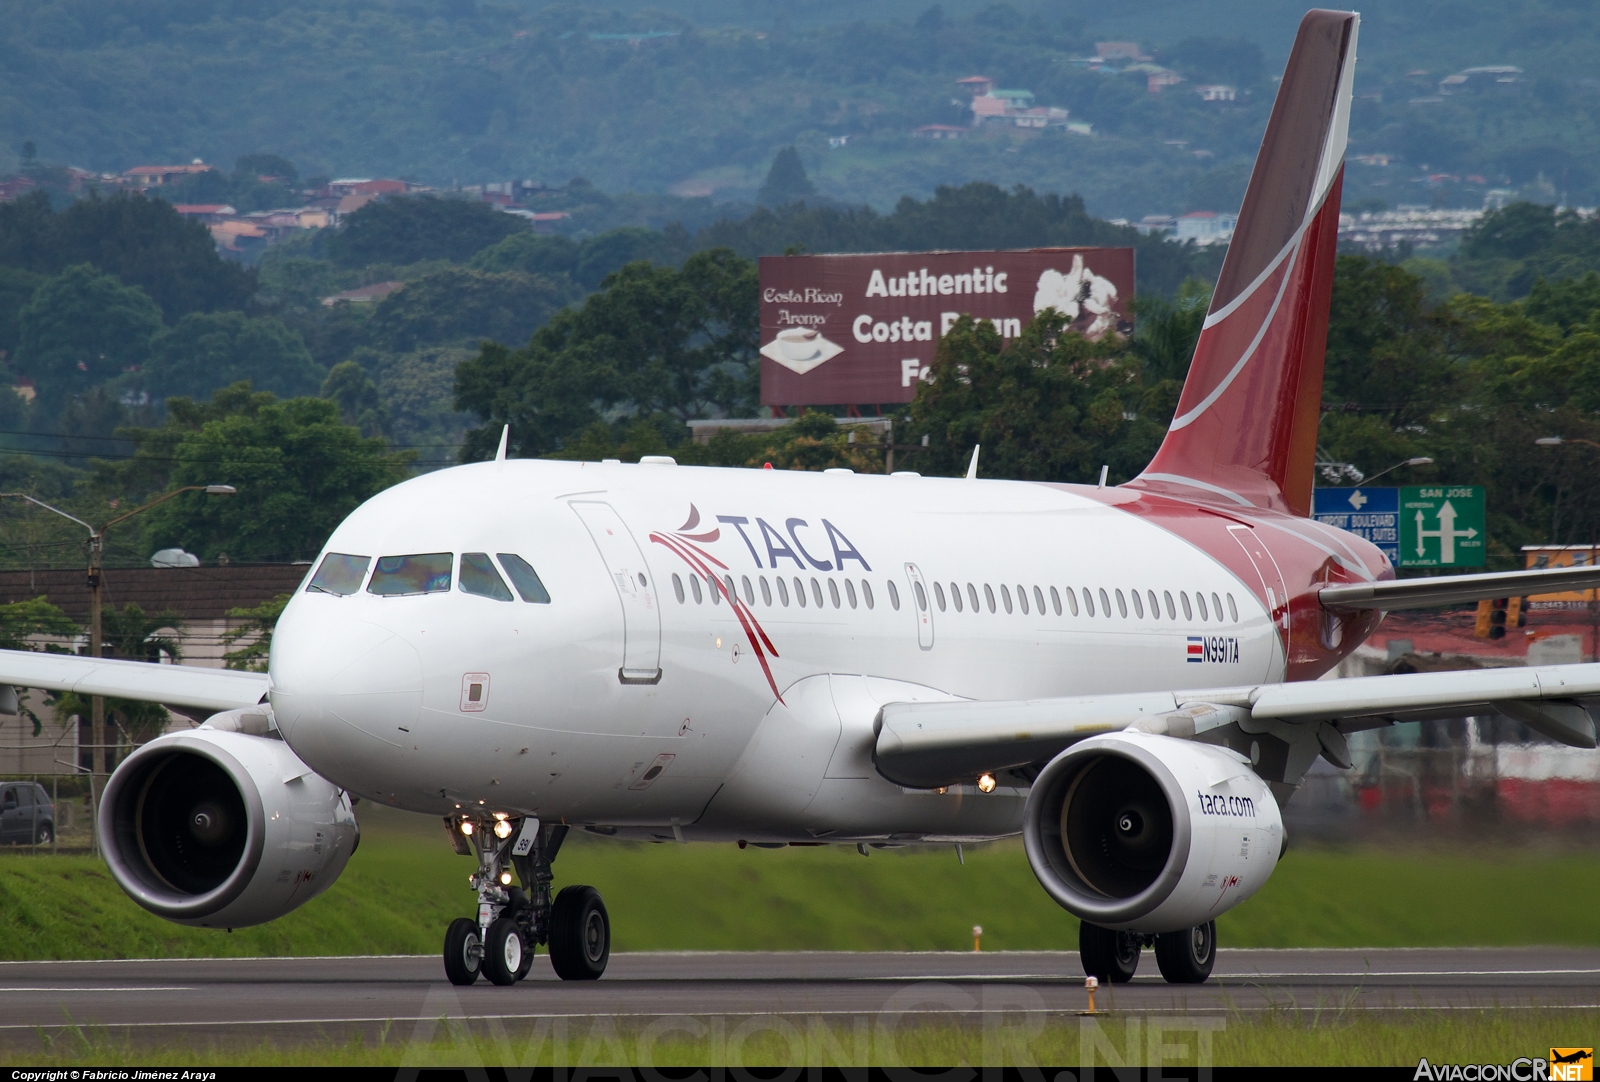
x=972, y=467
x=505, y=438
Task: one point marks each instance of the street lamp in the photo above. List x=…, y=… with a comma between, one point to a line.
x=1421, y=461
x=1557, y=441
x=97, y=754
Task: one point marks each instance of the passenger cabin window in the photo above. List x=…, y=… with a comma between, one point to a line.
x=955, y=595
x=938, y=595
x=988, y=595
x=833, y=592
x=850, y=592
x=399, y=576
x=526, y=579
x=1088, y=602
x=800, y=591
x=1138, y=603
x=1172, y=612
x=1216, y=606
x=766, y=592
x=972, y=596
x=1055, y=601
x=783, y=593
x=866, y=592
x=1200, y=603
x=1155, y=605
x=749, y=591
x=1122, y=605
x=1188, y=614
x=677, y=587
x=694, y=584
x=1072, y=600
x=339, y=574
x=1233, y=610
x=479, y=577
x=1038, y=601
x=894, y=595
x=1105, y=603
x=1022, y=598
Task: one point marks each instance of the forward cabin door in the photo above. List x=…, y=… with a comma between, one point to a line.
x=636, y=591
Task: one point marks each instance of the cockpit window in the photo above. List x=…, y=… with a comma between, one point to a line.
x=339, y=574
x=478, y=576
x=428, y=573
x=524, y=578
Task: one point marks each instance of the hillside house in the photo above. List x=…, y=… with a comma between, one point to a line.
x=1118, y=50
x=1158, y=80
x=364, y=295
x=1217, y=92
x=1205, y=227
x=205, y=212
x=939, y=131
x=976, y=84
x=156, y=176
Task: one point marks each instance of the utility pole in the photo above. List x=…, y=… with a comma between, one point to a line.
x=97, y=704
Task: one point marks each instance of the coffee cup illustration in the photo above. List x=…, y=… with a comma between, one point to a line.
x=800, y=349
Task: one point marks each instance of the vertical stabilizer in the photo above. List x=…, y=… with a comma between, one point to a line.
x=1245, y=430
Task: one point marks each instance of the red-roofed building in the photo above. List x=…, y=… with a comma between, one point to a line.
x=977, y=84
x=208, y=212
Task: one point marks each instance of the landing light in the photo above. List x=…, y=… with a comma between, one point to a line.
x=505, y=879
x=466, y=827
x=985, y=783
x=502, y=829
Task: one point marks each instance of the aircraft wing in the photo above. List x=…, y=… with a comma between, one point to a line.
x=205, y=690
x=1455, y=589
x=925, y=745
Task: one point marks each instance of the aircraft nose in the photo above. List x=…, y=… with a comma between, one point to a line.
x=342, y=690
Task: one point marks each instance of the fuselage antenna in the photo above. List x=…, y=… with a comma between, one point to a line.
x=505, y=438
x=972, y=467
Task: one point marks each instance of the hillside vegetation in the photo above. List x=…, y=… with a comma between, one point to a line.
x=702, y=94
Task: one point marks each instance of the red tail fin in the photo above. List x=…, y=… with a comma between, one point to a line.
x=1246, y=426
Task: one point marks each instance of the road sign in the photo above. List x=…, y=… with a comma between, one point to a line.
x=1370, y=513
x=1442, y=526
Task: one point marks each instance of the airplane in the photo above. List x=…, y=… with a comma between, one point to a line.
x=1126, y=676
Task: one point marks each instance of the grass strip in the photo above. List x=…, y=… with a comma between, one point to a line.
x=1336, y=1038
x=405, y=884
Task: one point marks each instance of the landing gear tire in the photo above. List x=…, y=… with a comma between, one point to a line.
x=503, y=952
x=527, y=958
x=1186, y=956
x=580, y=934
x=1108, y=955
x=463, y=951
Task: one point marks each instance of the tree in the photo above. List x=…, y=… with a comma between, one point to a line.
x=21, y=622
x=357, y=396
x=206, y=351
x=652, y=341
x=410, y=229
x=141, y=241
x=16, y=290
x=548, y=255
x=1048, y=406
x=81, y=329
x=1166, y=332
x=454, y=305
x=298, y=467
x=256, y=634
x=786, y=181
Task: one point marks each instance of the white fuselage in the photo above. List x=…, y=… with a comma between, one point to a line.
x=641, y=698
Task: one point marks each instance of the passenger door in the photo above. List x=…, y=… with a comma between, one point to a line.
x=636, y=590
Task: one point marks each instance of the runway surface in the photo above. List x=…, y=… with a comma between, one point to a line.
x=295, y=998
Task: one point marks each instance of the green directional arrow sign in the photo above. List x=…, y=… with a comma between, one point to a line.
x=1442, y=526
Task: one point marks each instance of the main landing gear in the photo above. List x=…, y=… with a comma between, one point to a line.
x=1184, y=957
x=512, y=921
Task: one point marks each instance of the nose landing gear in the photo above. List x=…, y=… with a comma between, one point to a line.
x=512, y=921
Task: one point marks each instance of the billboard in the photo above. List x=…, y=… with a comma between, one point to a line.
x=862, y=329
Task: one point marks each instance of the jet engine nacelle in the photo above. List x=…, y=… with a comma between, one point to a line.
x=1150, y=833
x=223, y=829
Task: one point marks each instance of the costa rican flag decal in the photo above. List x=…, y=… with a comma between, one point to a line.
x=1196, y=649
